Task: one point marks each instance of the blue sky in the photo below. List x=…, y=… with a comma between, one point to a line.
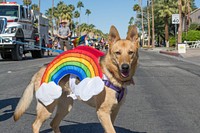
x=104, y=13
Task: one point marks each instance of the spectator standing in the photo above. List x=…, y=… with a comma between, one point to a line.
x=64, y=34
x=50, y=44
x=102, y=43
x=86, y=41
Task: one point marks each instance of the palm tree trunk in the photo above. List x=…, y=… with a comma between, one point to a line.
x=153, y=31
x=88, y=19
x=52, y=16
x=166, y=32
x=180, y=22
x=140, y=1
x=39, y=5
x=149, y=34
x=188, y=15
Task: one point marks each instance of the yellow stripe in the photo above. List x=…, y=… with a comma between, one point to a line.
x=75, y=59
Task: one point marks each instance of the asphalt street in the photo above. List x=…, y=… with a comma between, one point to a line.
x=165, y=99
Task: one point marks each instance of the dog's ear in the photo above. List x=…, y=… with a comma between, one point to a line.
x=113, y=35
x=132, y=33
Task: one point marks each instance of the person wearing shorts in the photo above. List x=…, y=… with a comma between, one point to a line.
x=64, y=34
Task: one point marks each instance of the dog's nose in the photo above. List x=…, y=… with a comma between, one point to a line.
x=125, y=66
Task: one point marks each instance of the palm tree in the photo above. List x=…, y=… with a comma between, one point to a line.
x=187, y=7
x=80, y=5
x=48, y=13
x=61, y=11
x=138, y=8
x=39, y=5
x=76, y=15
x=140, y=1
x=27, y=2
x=35, y=7
x=131, y=21
x=64, y=11
x=165, y=11
x=88, y=12
x=72, y=7
x=52, y=11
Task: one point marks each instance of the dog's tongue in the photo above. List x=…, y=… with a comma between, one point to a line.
x=125, y=74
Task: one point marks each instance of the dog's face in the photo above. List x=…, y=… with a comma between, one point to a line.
x=123, y=53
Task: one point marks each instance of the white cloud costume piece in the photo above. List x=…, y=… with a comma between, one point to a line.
x=82, y=63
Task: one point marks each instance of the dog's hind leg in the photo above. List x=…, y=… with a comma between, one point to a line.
x=43, y=113
x=64, y=106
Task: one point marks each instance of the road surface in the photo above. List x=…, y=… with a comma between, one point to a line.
x=165, y=99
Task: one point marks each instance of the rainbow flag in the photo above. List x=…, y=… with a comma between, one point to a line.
x=79, y=40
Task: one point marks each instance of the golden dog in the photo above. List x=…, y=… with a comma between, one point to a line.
x=118, y=64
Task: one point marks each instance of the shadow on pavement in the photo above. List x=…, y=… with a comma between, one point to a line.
x=88, y=128
x=7, y=106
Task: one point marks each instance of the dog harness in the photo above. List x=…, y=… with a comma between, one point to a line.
x=119, y=90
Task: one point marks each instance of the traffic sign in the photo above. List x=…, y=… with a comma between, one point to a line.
x=175, y=18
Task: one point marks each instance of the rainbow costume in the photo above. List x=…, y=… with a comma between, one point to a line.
x=81, y=62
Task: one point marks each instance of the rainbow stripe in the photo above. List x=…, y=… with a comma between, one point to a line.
x=81, y=61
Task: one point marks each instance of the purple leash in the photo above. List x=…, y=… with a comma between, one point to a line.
x=120, y=91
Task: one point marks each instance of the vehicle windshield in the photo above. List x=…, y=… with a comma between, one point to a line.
x=11, y=11
x=2, y=25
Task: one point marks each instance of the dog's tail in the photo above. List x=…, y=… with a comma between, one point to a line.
x=25, y=100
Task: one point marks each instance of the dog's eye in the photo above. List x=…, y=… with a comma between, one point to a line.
x=118, y=53
x=130, y=52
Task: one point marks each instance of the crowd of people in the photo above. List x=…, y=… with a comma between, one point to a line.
x=61, y=40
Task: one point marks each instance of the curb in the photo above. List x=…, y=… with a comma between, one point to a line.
x=170, y=53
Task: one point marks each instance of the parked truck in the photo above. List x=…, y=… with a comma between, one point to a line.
x=22, y=31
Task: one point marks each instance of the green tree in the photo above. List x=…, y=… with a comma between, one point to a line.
x=136, y=7
x=79, y=6
x=131, y=21
x=87, y=12
x=27, y=2
x=61, y=11
x=139, y=9
x=165, y=11
x=72, y=7
x=35, y=7
x=76, y=15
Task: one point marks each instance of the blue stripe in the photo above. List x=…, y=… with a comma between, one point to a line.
x=78, y=71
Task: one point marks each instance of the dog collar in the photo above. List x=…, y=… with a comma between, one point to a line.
x=119, y=90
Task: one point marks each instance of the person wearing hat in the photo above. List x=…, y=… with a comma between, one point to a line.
x=64, y=34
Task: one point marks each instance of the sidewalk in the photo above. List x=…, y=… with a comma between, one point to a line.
x=192, y=54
